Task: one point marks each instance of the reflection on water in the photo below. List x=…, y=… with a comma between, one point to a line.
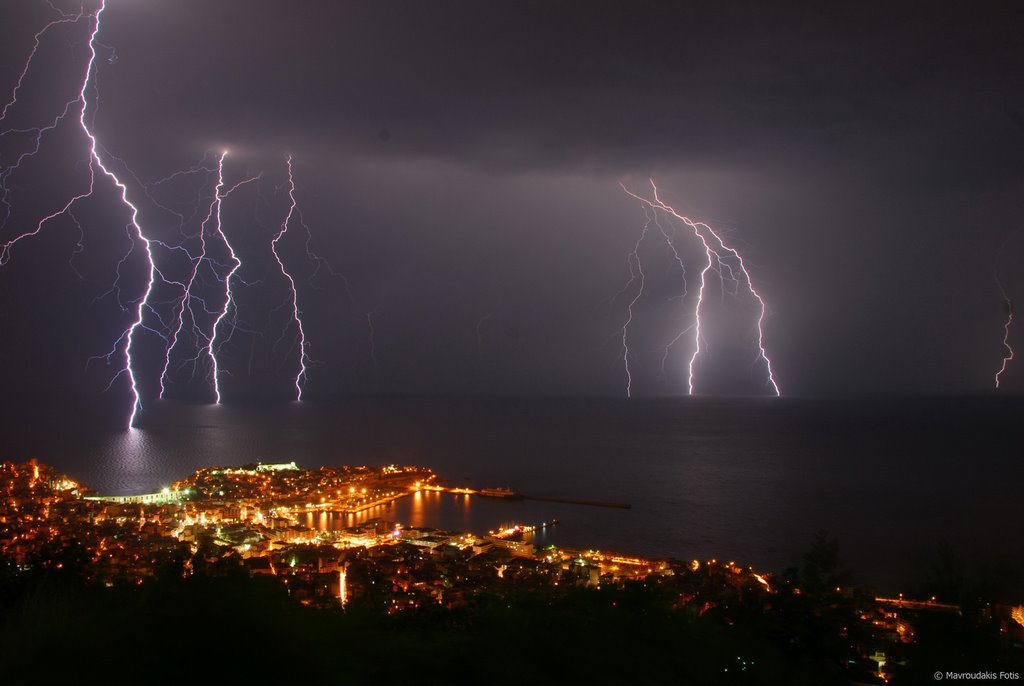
x=746, y=479
x=460, y=513
x=416, y=517
x=419, y=509
x=131, y=455
x=448, y=511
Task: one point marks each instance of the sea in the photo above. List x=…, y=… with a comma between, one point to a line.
x=904, y=484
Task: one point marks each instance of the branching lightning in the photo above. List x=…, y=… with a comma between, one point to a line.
x=670, y=241
x=719, y=257
x=636, y=275
x=214, y=345
x=304, y=361
x=40, y=132
x=1009, y=355
x=196, y=260
x=128, y=336
x=66, y=18
x=189, y=313
x=189, y=297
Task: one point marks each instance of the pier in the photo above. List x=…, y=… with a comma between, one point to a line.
x=508, y=494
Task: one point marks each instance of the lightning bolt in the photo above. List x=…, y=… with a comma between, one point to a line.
x=129, y=335
x=190, y=298
x=1008, y=305
x=196, y=261
x=66, y=18
x=717, y=252
x=670, y=241
x=125, y=341
x=1006, y=332
x=150, y=188
x=294, y=214
x=636, y=275
x=213, y=347
x=40, y=132
x=189, y=308
x=304, y=361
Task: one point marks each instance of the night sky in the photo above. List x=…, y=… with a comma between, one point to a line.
x=459, y=163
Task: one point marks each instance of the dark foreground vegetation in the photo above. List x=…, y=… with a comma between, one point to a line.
x=223, y=626
x=195, y=590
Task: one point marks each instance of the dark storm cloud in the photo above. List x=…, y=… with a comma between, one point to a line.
x=458, y=160
x=612, y=85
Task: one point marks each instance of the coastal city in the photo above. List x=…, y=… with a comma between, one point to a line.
x=247, y=520
x=507, y=343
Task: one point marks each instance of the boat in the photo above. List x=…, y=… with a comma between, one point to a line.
x=499, y=493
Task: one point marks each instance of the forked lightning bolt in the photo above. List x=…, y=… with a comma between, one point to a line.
x=188, y=309
x=189, y=296
x=636, y=275
x=1008, y=357
x=39, y=132
x=127, y=338
x=196, y=261
x=300, y=378
x=214, y=345
x=717, y=252
x=670, y=241
x=66, y=18
x=129, y=335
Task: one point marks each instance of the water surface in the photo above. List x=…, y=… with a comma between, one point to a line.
x=744, y=479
